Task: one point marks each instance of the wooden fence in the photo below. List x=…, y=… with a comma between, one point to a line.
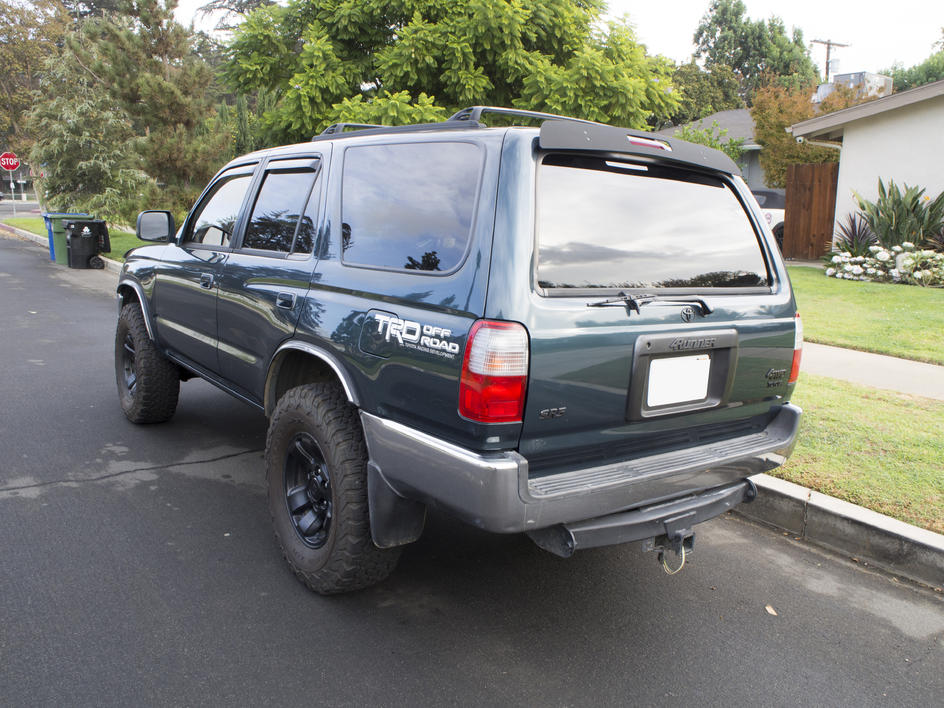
x=811, y=202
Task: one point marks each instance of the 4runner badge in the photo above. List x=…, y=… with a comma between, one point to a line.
x=413, y=335
x=681, y=343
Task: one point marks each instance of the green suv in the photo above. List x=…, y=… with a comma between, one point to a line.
x=576, y=331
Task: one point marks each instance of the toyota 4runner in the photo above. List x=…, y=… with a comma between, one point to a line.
x=577, y=331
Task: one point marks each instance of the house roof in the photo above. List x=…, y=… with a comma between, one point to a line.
x=737, y=121
x=831, y=125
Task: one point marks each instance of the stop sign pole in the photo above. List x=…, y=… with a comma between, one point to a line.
x=10, y=162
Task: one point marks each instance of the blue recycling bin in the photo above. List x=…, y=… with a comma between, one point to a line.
x=58, y=250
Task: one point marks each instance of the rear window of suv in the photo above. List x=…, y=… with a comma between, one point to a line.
x=611, y=224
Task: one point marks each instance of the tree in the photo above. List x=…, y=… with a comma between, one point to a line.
x=714, y=137
x=407, y=60
x=143, y=65
x=778, y=107
x=928, y=71
x=702, y=93
x=28, y=34
x=87, y=151
x=231, y=12
x=755, y=50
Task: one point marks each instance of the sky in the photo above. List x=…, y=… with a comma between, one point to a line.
x=879, y=33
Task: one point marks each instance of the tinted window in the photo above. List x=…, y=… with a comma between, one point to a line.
x=216, y=216
x=275, y=215
x=606, y=224
x=409, y=206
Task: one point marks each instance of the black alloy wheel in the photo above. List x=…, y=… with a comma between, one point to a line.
x=307, y=487
x=127, y=365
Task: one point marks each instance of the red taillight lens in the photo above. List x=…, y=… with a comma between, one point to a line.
x=494, y=372
x=797, y=350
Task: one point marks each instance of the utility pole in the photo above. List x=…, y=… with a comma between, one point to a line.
x=829, y=47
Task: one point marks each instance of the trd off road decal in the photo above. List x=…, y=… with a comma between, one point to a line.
x=413, y=335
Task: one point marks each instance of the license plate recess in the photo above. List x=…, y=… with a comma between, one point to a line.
x=679, y=373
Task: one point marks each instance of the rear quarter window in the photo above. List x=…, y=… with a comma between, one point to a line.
x=409, y=206
x=618, y=225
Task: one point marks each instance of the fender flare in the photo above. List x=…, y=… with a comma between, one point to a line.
x=142, y=301
x=318, y=352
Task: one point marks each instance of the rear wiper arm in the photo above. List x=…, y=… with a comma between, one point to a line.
x=635, y=302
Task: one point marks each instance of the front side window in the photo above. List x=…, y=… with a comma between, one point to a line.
x=277, y=216
x=409, y=206
x=612, y=224
x=216, y=216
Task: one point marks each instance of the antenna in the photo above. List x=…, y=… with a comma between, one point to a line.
x=829, y=47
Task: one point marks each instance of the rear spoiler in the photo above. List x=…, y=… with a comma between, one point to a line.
x=573, y=135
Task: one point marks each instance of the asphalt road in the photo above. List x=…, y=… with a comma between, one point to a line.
x=137, y=567
x=8, y=206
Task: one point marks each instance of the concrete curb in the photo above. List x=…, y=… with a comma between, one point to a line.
x=112, y=265
x=879, y=540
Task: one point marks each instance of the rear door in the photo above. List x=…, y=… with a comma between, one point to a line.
x=266, y=277
x=657, y=320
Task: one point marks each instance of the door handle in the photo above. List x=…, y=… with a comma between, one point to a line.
x=286, y=300
x=206, y=280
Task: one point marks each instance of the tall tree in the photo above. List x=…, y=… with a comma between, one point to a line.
x=703, y=92
x=29, y=32
x=405, y=60
x=144, y=62
x=754, y=49
x=778, y=107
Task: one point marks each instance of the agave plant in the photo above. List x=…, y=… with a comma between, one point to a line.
x=854, y=236
x=898, y=216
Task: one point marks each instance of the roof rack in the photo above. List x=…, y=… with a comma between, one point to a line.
x=336, y=128
x=474, y=113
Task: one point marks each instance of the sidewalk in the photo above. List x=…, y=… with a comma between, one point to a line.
x=872, y=538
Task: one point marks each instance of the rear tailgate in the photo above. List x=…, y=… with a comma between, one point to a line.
x=660, y=316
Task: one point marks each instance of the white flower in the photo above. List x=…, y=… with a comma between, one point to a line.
x=875, y=249
x=907, y=244
x=919, y=274
x=857, y=270
x=830, y=272
x=883, y=255
x=836, y=259
x=897, y=249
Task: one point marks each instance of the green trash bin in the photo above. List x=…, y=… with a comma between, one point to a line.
x=56, y=230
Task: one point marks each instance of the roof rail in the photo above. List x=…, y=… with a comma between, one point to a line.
x=474, y=113
x=364, y=129
x=336, y=128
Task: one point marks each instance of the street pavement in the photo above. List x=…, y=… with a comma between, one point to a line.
x=137, y=566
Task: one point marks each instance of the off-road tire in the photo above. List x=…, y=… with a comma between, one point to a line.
x=347, y=558
x=152, y=398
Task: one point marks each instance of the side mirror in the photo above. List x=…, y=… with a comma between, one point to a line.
x=155, y=226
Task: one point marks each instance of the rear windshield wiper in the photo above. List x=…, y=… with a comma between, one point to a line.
x=635, y=302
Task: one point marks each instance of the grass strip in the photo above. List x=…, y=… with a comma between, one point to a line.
x=121, y=241
x=899, y=320
x=878, y=449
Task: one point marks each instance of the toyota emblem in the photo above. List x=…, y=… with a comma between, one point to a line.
x=688, y=314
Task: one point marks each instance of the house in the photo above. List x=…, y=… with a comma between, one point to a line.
x=739, y=124
x=898, y=137
x=864, y=83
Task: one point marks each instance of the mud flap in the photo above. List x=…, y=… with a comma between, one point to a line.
x=394, y=521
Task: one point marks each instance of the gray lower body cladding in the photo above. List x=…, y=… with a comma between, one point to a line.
x=493, y=491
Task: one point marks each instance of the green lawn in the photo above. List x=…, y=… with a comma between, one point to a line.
x=878, y=449
x=121, y=241
x=900, y=320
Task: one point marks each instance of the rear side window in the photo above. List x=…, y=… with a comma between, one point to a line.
x=409, y=206
x=609, y=224
x=278, y=222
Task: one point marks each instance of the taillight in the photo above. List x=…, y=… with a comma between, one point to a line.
x=494, y=372
x=797, y=350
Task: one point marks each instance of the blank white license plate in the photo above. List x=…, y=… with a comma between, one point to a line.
x=678, y=379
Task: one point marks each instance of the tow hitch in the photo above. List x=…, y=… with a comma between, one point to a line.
x=678, y=538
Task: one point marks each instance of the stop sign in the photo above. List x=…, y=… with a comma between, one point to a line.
x=9, y=161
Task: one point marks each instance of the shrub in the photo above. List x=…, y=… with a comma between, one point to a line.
x=855, y=236
x=896, y=216
x=903, y=263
